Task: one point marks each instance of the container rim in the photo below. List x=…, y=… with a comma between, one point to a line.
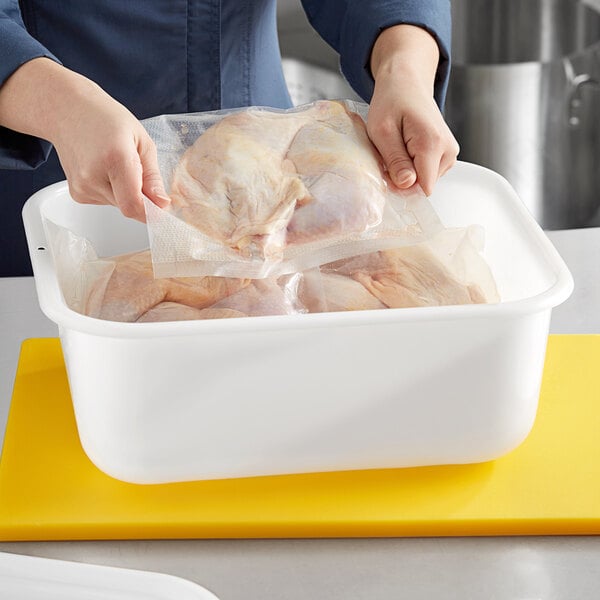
x=53, y=306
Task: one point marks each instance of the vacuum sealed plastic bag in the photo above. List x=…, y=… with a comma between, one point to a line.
x=130, y=293
x=447, y=269
x=275, y=213
x=123, y=288
x=263, y=192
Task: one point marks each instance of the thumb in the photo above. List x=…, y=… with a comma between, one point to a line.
x=399, y=164
x=152, y=183
x=388, y=138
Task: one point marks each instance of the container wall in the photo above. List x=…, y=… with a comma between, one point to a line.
x=246, y=397
x=260, y=403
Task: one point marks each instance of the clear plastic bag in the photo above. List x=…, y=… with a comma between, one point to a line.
x=263, y=192
x=131, y=294
x=447, y=269
x=319, y=232
x=123, y=288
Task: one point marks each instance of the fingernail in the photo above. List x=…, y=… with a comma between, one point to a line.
x=161, y=196
x=404, y=176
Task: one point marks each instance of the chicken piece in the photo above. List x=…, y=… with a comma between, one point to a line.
x=407, y=277
x=342, y=171
x=343, y=293
x=244, y=181
x=129, y=291
x=171, y=311
x=235, y=183
x=263, y=297
x=132, y=290
x=329, y=292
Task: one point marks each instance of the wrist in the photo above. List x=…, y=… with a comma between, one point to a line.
x=407, y=52
x=40, y=96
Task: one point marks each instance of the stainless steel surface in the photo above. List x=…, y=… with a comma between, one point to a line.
x=527, y=568
x=524, y=100
x=511, y=568
x=488, y=32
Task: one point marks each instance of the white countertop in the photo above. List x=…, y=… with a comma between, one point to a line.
x=516, y=568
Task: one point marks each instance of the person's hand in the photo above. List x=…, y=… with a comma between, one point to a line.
x=106, y=154
x=404, y=122
x=108, y=157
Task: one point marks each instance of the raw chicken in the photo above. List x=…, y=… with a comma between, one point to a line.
x=262, y=297
x=258, y=180
x=131, y=290
x=342, y=172
x=171, y=311
x=329, y=292
x=403, y=277
x=129, y=293
x=407, y=277
x=235, y=183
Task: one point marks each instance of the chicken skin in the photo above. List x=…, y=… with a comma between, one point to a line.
x=172, y=311
x=131, y=290
x=257, y=180
x=408, y=276
x=342, y=172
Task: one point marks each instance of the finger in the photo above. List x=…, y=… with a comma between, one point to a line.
x=388, y=139
x=449, y=157
x=152, y=183
x=427, y=164
x=126, y=183
x=447, y=162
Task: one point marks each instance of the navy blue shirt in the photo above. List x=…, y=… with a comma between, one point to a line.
x=176, y=56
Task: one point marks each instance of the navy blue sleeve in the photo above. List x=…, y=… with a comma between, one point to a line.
x=17, y=150
x=352, y=26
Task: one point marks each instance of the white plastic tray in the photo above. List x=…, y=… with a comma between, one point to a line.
x=160, y=402
x=32, y=578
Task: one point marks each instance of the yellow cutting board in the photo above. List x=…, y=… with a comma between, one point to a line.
x=49, y=490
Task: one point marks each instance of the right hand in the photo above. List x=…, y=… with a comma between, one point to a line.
x=104, y=150
x=404, y=121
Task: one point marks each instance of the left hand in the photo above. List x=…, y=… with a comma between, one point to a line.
x=404, y=122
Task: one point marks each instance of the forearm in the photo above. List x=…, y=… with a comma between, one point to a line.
x=104, y=150
x=407, y=52
x=40, y=95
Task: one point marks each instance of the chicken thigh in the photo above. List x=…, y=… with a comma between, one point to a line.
x=330, y=292
x=342, y=171
x=131, y=290
x=405, y=277
x=263, y=297
x=172, y=311
x=258, y=180
x=235, y=183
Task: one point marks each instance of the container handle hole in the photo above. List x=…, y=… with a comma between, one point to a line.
x=41, y=248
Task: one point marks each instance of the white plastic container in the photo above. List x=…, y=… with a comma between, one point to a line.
x=161, y=402
x=33, y=578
